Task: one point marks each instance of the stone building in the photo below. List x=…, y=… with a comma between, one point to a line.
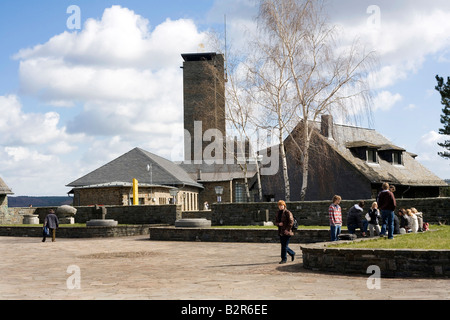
x=352, y=162
x=210, y=156
x=204, y=101
x=4, y=192
x=160, y=182
x=205, y=167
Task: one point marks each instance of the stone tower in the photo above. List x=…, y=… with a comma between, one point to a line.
x=204, y=101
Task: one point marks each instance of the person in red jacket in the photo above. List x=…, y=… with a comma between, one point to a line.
x=285, y=220
x=387, y=204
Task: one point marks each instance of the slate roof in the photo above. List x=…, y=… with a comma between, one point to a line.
x=133, y=165
x=411, y=173
x=217, y=172
x=4, y=189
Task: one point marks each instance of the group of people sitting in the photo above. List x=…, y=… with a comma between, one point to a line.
x=407, y=220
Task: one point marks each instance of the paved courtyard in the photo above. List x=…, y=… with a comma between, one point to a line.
x=137, y=268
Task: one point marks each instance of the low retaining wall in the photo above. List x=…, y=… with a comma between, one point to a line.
x=78, y=232
x=314, y=213
x=308, y=213
x=235, y=235
x=131, y=215
x=392, y=262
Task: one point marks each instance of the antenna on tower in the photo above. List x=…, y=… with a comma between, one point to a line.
x=226, y=53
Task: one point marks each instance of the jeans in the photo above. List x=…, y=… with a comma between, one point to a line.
x=388, y=222
x=373, y=228
x=285, y=247
x=335, y=231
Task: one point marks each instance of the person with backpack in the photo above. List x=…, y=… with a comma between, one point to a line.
x=285, y=222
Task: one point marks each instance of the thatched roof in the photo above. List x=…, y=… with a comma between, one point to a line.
x=411, y=172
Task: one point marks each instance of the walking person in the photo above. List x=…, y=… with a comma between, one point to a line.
x=52, y=223
x=285, y=220
x=335, y=216
x=387, y=204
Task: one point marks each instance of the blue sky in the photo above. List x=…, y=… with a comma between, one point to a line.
x=77, y=99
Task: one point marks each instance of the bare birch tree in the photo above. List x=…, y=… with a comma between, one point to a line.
x=270, y=82
x=321, y=76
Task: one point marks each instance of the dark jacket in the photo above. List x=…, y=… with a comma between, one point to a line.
x=386, y=200
x=374, y=215
x=286, y=217
x=354, y=216
x=396, y=225
x=51, y=221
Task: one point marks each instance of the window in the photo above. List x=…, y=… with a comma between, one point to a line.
x=141, y=201
x=372, y=155
x=397, y=158
x=239, y=193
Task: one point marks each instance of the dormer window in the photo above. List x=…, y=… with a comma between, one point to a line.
x=372, y=155
x=397, y=158
x=392, y=154
x=364, y=150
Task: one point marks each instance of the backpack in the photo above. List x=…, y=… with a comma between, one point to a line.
x=295, y=225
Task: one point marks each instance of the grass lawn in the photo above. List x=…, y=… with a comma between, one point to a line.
x=437, y=239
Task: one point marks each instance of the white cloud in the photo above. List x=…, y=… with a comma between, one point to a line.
x=385, y=100
x=123, y=81
x=403, y=39
x=126, y=76
x=427, y=148
x=121, y=39
x=19, y=128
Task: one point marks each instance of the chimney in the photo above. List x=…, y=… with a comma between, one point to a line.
x=326, y=127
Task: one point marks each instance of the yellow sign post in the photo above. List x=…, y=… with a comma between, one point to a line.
x=135, y=193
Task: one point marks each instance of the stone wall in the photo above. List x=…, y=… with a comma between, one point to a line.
x=15, y=215
x=71, y=232
x=4, y=214
x=312, y=213
x=165, y=214
x=391, y=263
x=235, y=235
